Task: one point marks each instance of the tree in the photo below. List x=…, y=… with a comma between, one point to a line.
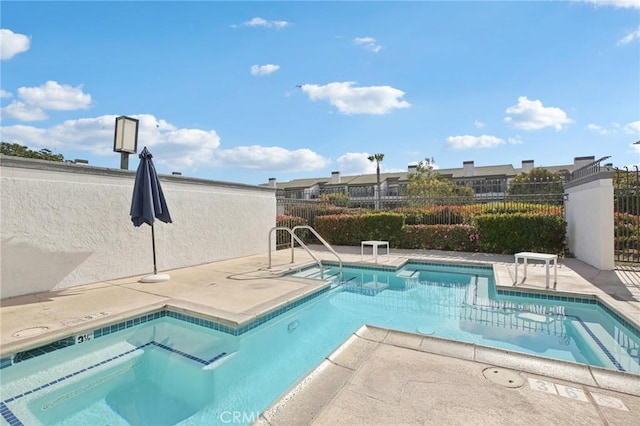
x=427, y=183
x=378, y=159
x=17, y=150
x=538, y=181
x=339, y=199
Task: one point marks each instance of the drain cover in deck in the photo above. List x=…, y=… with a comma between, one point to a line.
x=30, y=331
x=503, y=377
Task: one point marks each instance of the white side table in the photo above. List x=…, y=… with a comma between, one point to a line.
x=547, y=258
x=374, y=244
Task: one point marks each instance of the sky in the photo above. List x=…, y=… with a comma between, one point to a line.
x=247, y=91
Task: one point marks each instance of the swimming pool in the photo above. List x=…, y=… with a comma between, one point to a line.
x=170, y=368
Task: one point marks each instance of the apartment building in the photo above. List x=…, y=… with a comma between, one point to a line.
x=483, y=179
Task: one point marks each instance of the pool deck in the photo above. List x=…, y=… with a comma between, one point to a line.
x=378, y=376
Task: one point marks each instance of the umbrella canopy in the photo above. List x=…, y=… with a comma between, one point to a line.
x=148, y=204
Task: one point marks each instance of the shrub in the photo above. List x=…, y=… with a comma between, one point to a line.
x=439, y=237
x=283, y=238
x=345, y=229
x=512, y=233
x=309, y=211
x=436, y=215
x=626, y=230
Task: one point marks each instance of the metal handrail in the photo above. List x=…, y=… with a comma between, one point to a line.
x=294, y=237
x=326, y=244
x=586, y=170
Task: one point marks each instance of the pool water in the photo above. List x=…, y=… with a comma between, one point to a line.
x=169, y=371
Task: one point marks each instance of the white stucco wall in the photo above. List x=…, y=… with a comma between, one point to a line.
x=589, y=215
x=64, y=224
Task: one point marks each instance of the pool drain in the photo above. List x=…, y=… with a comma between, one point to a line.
x=500, y=376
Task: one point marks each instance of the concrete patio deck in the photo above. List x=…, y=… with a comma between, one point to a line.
x=378, y=376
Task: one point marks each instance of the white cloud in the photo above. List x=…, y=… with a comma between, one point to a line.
x=12, y=43
x=261, y=22
x=596, y=128
x=625, y=4
x=55, y=96
x=633, y=128
x=173, y=148
x=630, y=37
x=271, y=158
x=368, y=43
x=357, y=100
x=468, y=141
x=355, y=163
x=479, y=124
x=264, y=69
x=5, y=94
x=516, y=140
x=23, y=112
x=95, y=135
x=49, y=96
x=531, y=115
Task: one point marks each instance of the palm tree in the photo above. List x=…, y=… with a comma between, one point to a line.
x=378, y=159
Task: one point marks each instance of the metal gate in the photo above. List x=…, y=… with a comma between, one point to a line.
x=626, y=201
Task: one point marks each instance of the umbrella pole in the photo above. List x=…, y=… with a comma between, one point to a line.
x=153, y=243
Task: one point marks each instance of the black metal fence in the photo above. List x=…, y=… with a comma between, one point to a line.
x=627, y=215
x=542, y=197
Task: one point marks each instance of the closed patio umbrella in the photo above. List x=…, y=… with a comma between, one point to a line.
x=148, y=204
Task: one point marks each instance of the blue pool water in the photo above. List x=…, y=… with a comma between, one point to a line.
x=166, y=370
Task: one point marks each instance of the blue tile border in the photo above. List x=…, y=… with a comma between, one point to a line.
x=413, y=262
x=9, y=416
x=599, y=343
x=450, y=265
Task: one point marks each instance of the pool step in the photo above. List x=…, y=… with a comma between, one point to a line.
x=606, y=348
x=316, y=274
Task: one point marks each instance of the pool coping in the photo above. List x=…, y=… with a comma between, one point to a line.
x=303, y=401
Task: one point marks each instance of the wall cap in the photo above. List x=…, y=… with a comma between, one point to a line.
x=84, y=169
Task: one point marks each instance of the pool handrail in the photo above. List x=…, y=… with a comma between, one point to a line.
x=294, y=237
x=322, y=240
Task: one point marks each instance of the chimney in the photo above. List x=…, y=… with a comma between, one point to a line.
x=272, y=182
x=335, y=177
x=467, y=167
x=579, y=162
x=413, y=168
x=527, y=166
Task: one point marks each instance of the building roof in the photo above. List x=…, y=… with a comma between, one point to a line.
x=479, y=172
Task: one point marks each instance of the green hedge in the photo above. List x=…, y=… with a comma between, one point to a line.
x=310, y=211
x=351, y=229
x=439, y=237
x=283, y=238
x=436, y=215
x=512, y=233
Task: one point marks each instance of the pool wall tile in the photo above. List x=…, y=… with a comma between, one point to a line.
x=5, y=362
